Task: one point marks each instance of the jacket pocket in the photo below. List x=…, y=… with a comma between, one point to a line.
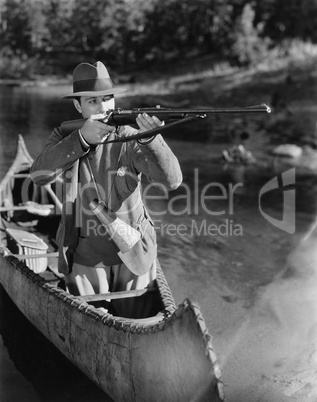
x=125, y=185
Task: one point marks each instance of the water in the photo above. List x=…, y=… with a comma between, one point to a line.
x=220, y=252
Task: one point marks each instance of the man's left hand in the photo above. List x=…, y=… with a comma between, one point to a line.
x=146, y=122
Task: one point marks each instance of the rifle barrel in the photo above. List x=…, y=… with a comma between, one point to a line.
x=122, y=117
x=185, y=111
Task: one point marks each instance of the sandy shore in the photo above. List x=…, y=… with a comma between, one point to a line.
x=273, y=355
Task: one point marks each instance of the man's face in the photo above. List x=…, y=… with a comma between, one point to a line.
x=90, y=105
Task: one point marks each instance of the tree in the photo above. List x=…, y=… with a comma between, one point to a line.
x=288, y=19
x=16, y=28
x=247, y=45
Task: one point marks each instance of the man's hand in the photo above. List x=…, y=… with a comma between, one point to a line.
x=146, y=122
x=94, y=131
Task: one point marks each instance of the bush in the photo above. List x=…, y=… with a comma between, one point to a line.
x=15, y=67
x=248, y=47
x=291, y=54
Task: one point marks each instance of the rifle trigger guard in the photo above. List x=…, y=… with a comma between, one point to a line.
x=107, y=117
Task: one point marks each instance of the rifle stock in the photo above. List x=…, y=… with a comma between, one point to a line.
x=122, y=117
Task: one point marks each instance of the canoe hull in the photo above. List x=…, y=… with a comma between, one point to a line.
x=170, y=360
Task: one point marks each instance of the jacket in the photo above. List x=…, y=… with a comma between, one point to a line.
x=125, y=162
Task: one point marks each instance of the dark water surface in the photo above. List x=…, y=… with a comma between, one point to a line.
x=220, y=252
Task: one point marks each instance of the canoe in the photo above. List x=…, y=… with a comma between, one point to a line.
x=167, y=356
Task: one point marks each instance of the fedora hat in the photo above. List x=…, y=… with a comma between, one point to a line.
x=92, y=80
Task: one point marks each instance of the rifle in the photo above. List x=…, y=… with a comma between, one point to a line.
x=123, y=117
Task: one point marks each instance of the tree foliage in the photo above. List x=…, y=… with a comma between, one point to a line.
x=247, y=46
x=127, y=33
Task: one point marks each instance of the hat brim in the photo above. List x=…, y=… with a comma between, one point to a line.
x=112, y=91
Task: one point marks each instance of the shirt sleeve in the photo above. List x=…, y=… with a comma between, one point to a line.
x=156, y=160
x=58, y=155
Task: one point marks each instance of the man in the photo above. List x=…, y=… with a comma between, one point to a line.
x=112, y=173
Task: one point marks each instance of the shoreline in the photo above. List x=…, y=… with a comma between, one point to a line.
x=46, y=81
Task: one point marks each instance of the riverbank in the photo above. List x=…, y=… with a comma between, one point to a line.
x=289, y=89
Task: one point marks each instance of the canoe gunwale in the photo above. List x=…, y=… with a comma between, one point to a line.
x=210, y=353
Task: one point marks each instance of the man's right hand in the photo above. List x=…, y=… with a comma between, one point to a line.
x=94, y=131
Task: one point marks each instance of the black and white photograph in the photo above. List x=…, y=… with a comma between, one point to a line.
x=158, y=201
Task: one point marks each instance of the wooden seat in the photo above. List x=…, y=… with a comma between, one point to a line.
x=117, y=295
